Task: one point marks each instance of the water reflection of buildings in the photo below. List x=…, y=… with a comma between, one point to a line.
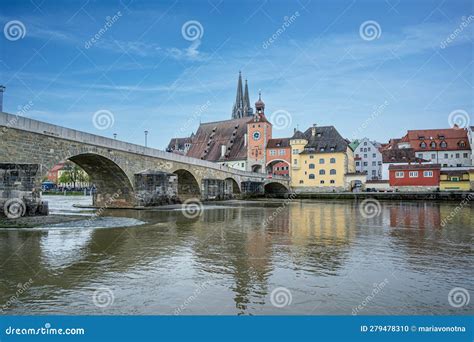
x=416, y=214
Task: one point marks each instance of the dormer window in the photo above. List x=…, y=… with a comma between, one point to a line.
x=462, y=144
x=421, y=137
x=433, y=144
x=318, y=135
x=321, y=149
x=441, y=137
x=443, y=144
x=423, y=145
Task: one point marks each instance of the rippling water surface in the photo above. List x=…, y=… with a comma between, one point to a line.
x=311, y=258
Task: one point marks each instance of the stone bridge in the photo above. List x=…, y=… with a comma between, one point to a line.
x=113, y=165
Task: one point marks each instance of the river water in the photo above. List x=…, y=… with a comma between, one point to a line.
x=310, y=258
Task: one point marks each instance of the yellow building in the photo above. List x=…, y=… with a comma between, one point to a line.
x=456, y=179
x=320, y=160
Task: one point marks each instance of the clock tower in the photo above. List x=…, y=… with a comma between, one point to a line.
x=259, y=131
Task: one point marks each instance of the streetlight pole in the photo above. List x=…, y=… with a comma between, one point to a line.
x=146, y=141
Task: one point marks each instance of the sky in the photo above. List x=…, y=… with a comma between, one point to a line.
x=370, y=68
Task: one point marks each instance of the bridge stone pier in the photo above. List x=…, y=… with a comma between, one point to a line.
x=112, y=164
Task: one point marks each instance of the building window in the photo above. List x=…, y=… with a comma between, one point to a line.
x=420, y=155
x=446, y=156
x=365, y=143
x=427, y=173
x=311, y=166
x=457, y=155
x=433, y=144
x=321, y=149
x=322, y=182
x=332, y=181
x=311, y=176
x=465, y=155
x=399, y=174
x=357, y=164
x=272, y=152
x=332, y=160
x=332, y=172
x=365, y=155
x=374, y=155
x=322, y=172
x=374, y=172
x=462, y=144
x=295, y=161
x=365, y=163
x=423, y=145
x=374, y=163
x=281, y=152
x=443, y=144
x=301, y=182
x=413, y=174
x=379, y=163
x=433, y=156
x=311, y=157
x=296, y=151
x=357, y=155
x=321, y=161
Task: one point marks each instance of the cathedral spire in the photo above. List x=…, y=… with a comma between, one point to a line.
x=248, y=111
x=237, y=111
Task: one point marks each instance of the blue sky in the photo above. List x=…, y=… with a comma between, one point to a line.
x=318, y=68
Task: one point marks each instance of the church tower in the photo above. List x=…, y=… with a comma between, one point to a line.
x=242, y=106
x=259, y=131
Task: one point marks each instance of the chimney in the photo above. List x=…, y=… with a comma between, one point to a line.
x=245, y=139
x=2, y=90
x=313, y=130
x=223, y=150
x=294, y=130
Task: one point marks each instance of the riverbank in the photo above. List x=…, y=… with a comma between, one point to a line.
x=37, y=221
x=396, y=196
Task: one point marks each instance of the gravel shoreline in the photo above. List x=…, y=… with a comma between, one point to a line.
x=37, y=221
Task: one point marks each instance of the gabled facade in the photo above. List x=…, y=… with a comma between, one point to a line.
x=320, y=160
x=449, y=147
x=368, y=159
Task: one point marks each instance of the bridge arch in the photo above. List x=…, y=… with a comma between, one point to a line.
x=275, y=189
x=188, y=185
x=234, y=185
x=113, y=186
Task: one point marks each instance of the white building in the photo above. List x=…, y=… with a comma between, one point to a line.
x=368, y=158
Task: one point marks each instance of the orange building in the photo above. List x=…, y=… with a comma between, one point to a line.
x=278, y=157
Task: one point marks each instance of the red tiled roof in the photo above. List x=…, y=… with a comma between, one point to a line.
x=210, y=136
x=278, y=142
x=400, y=155
x=451, y=136
x=415, y=167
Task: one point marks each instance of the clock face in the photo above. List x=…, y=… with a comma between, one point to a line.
x=256, y=135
